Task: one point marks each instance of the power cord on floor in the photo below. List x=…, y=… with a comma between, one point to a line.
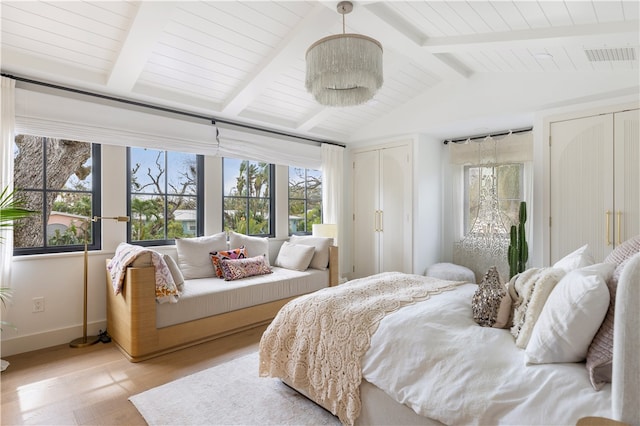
x=104, y=337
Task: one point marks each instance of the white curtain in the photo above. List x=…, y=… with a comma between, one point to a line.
x=512, y=148
x=42, y=112
x=248, y=144
x=7, y=124
x=332, y=185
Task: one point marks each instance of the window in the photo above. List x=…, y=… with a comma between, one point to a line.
x=165, y=193
x=479, y=186
x=248, y=206
x=305, y=199
x=60, y=179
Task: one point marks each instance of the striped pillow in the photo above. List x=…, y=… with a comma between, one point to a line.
x=600, y=352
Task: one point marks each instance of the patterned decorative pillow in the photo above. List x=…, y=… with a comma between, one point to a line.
x=600, y=353
x=218, y=256
x=235, y=269
x=529, y=291
x=491, y=303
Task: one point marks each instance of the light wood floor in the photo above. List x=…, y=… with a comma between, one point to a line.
x=91, y=386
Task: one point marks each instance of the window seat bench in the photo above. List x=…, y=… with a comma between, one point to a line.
x=208, y=308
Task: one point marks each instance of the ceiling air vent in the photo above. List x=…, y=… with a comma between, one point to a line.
x=617, y=54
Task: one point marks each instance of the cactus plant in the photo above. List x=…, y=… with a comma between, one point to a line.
x=518, y=252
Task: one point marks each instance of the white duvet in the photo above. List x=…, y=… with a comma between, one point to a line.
x=432, y=357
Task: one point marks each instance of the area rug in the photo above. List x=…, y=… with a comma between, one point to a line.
x=229, y=394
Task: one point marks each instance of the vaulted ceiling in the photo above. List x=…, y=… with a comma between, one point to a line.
x=451, y=68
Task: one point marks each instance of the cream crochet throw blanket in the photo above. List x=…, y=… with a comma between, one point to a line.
x=317, y=341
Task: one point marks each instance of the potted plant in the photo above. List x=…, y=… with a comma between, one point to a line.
x=518, y=253
x=11, y=209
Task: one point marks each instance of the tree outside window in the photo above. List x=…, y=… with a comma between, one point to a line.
x=164, y=193
x=247, y=197
x=479, y=182
x=305, y=199
x=59, y=179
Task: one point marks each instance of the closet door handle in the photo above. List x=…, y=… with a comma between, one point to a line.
x=618, y=220
x=608, y=213
x=376, y=220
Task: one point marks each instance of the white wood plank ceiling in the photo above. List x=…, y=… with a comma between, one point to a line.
x=244, y=60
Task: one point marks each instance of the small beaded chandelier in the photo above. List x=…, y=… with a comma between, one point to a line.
x=344, y=69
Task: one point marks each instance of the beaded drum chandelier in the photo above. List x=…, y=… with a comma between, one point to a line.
x=344, y=69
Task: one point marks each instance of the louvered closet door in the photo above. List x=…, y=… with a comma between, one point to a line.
x=581, y=177
x=627, y=175
x=366, y=206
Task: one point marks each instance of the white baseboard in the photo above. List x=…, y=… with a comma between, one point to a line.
x=47, y=339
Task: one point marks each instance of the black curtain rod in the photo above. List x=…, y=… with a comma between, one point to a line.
x=213, y=120
x=504, y=133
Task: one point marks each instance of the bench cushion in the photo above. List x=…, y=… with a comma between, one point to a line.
x=204, y=297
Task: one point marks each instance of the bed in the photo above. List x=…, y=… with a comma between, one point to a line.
x=416, y=356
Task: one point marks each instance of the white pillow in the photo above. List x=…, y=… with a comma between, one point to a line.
x=255, y=246
x=176, y=273
x=571, y=316
x=321, y=256
x=294, y=256
x=577, y=259
x=193, y=254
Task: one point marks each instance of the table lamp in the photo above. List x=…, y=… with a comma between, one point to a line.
x=326, y=230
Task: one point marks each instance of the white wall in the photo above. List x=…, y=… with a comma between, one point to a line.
x=427, y=218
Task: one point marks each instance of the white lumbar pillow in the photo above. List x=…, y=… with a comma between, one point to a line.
x=571, y=316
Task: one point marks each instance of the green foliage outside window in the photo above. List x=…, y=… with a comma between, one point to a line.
x=56, y=178
x=164, y=195
x=305, y=199
x=247, y=202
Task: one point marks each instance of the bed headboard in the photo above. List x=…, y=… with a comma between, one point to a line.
x=626, y=345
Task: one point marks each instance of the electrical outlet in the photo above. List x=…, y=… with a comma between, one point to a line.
x=38, y=304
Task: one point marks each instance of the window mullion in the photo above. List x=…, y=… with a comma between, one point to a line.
x=166, y=195
x=45, y=193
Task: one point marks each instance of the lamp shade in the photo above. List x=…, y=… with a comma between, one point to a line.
x=325, y=230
